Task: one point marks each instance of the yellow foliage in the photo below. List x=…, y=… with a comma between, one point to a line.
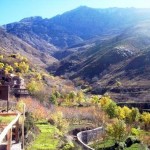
x=38, y=76
x=127, y=111
x=22, y=67
x=80, y=97
x=1, y=57
x=123, y=112
x=146, y=118
x=117, y=130
x=105, y=101
x=20, y=105
x=1, y=65
x=60, y=122
x=8, y=69
x=34, y=86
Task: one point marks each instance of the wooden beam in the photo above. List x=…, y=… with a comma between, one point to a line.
x=8, y=114
x=9, y=139
x=17, y=132
x=23, y=127
x=6, y=130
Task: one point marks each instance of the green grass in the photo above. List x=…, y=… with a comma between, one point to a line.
x=135, y=147
x=106, y=143
x=46, y=140
x=6, y=119
x=110, y=142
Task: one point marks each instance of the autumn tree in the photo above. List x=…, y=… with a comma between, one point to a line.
x=53, y=99
x=146, y=119
x=38, y=76
x=1, y=57
x=22, y=67
x=34, y=86
x=117, y=130
x=1, y=65
x=8, y=69
x=105, y=101
x=80, y=98
x=95, y=99
x=134, y=115
x=111, y=110
x=109, y=106
x=33, y=106
x=60, y=122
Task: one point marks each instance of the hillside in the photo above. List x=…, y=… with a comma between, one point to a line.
x=98, y=52
x=75, y=26
x=123, y=59
x=11, y=44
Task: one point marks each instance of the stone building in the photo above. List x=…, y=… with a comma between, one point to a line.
x=16, y=84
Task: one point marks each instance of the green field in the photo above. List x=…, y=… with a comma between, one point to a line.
x=109, y=142
x=6, y=119
x=47, y=139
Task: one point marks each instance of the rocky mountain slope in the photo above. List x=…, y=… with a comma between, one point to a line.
x=74, y=27
x=123, y=59
x=10, y=44
x=107, y=49
x=92, y=59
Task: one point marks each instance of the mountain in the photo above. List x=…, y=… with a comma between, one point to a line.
x=25, y=30
x=10, y=44
x=74, y=27
x=124, y=58
x=105, y=49
x=92, y=61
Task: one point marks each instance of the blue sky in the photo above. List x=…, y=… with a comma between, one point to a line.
x=15, y=10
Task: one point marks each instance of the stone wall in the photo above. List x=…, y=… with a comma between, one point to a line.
x=85, y=137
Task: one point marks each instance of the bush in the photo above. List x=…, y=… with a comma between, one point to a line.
x=60, y=122
x=121, y=146
x=68, y=146
x=131, y=140
x=29, y=122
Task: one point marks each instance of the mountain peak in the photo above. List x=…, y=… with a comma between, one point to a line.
x=31, y=19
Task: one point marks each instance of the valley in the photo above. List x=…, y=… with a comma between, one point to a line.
x=84, y=69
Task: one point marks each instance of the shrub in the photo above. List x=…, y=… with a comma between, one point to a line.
x=68, y=146
x=117, y=130
x=60, y=122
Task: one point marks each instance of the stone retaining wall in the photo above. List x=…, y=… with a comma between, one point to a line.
x=85, y=137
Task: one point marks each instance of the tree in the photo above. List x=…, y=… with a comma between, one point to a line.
x=53, y=99
x=61, y=123
x=1, y=65
x=146, y=119
x=33, y=106
x=22, y=67
x=117, y=130
x=95, y=99
x=134, y=115
x=124, y=113
x=105, y=101
x=1, y=57
x=8, y=69
x=80, y=97
x=34, y=86
x=72, y=95
x=109, y=106
x=57, y=94
x=120, y=113
x=111, y=110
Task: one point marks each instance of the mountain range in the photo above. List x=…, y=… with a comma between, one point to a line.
x=108, y=49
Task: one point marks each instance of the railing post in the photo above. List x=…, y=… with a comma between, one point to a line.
x=23, y=127
x=9, y=139
x=17, y=132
